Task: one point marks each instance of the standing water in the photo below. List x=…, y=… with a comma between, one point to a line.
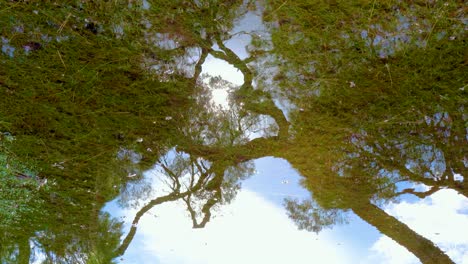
x=233, y=132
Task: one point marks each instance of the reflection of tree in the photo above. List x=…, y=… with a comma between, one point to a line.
x=100, y=87
x=47, y=247
x=312, y=217
x=398, y=106
x=364, y=122
x=84, y=101
x=379, y=79
x=326, y=144
x=348, y=186
x=213, y=124
x=199, y=183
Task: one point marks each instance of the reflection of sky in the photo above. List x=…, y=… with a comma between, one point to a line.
x=249, y=24
x=255, y=228
x=441, y=217
x=217, y=67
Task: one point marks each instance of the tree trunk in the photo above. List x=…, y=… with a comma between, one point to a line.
x=421, y=247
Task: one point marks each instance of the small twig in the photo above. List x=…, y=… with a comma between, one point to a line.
x=274, y=11
x=61, y=59
x=390, y=74
x=64, y=23
x=372, y=10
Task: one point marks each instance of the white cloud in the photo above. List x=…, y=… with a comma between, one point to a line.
x=251, y=230
x=215, y=67
x=387, y=251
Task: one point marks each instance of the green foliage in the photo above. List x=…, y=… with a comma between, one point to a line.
x=373, y=66
x=378, y=85
x=95, y=92
x=86, y=94
x=336, y=45
x=312, y=217
x=20, y=189
x=81, y=82
x=74, y=93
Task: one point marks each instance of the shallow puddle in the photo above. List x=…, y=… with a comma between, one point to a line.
x=233, y=132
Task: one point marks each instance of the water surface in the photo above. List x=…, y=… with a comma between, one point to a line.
x=233, y=132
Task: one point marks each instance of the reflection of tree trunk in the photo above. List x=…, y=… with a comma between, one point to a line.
x=198, y=66
x=24, y=251
x=251, y=96
x=206, y=210
x=421, y=195
x=160, y=200
x=421, y=247
x=175, y=195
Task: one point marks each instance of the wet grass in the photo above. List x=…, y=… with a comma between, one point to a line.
x=73, y=94
x=75, y=91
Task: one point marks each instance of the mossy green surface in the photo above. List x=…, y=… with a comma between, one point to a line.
x=84, y=85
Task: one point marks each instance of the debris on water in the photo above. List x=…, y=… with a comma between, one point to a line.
x=31, y=46
x=59, y=165
x=42, y=183
x=119, y=136
x=284, y=182
x=131, y=175
x=92, y=27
